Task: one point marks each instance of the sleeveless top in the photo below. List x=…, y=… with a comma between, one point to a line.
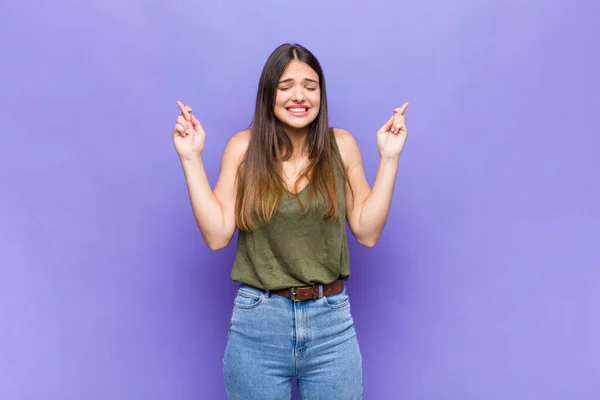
x=295, y=249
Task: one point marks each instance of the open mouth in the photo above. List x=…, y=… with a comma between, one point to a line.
x=298, y=111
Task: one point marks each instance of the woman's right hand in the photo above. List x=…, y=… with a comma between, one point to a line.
x=188, y=134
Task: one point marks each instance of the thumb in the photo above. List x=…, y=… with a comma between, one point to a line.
x=388, y=125
x=195, y=123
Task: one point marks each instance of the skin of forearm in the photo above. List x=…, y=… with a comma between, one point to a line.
x=376, y=207
x=205, y=205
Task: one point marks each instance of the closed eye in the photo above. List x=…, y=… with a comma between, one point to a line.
x=284, y=88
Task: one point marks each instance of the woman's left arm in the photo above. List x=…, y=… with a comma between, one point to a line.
x=367, y=209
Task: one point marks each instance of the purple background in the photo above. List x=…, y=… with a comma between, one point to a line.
x=485, y=283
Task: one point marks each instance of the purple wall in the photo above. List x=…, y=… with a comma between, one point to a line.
x=486, y=281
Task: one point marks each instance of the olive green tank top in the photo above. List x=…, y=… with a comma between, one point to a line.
x=295, y=249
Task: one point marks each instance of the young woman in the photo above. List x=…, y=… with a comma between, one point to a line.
x=289, y=184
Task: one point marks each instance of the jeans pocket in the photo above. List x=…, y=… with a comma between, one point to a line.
x=337, y=300
x=247, y=298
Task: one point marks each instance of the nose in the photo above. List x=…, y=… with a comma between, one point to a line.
x=298, y=94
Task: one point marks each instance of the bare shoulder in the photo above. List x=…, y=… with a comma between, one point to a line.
x=344, y=139
x=237, y=145
x=240, y=139
x=341, y=134
x=348, y=146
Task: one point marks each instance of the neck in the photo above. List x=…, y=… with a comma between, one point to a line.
x=298, y=139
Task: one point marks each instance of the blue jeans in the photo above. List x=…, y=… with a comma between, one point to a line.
x=272, y=338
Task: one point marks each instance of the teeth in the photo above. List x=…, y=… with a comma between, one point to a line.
x=297, y=109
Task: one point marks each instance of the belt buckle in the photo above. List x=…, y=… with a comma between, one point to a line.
x=293, y=294
x=315, y=294
x=314, y=290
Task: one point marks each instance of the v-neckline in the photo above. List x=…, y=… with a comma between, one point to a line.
x=300, y=191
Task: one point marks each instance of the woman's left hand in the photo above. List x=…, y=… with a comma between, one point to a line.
x=392, y=135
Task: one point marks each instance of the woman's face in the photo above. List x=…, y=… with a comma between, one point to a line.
x=298, y=96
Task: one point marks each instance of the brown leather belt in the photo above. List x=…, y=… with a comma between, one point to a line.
x=310, y=292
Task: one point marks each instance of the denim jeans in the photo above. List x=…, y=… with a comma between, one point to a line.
x=272, y=338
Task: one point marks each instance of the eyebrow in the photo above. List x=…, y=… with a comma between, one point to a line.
x=305, y=79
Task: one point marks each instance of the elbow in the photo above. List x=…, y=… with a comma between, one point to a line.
x=366, y=239
x=368, y=242
x=216, y=240
x=216, y=244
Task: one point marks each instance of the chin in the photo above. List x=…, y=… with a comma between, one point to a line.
x=298, y=126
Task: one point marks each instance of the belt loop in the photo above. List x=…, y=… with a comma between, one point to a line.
x=267, y=293
x=320, y=291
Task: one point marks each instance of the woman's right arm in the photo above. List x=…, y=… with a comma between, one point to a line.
x=214, y=210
